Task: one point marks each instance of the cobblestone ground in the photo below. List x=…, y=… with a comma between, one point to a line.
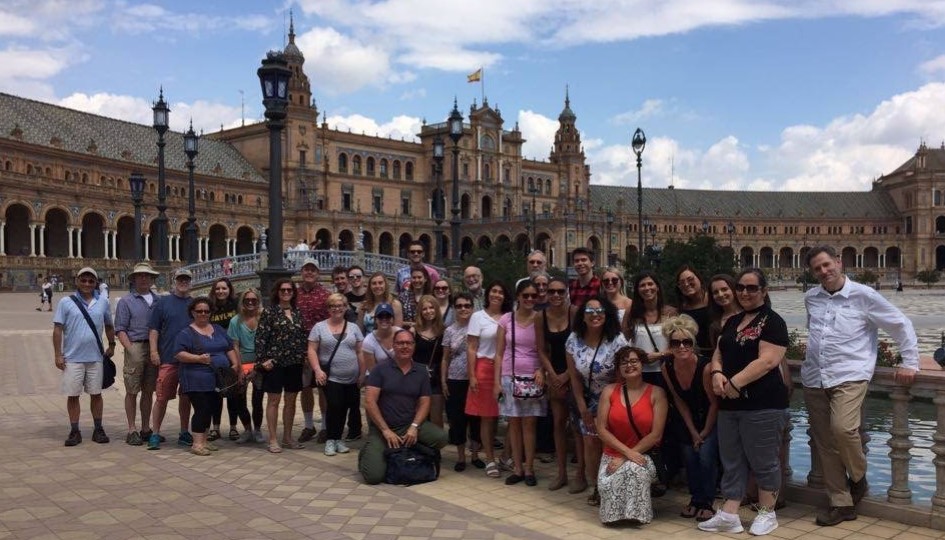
x=118, y=491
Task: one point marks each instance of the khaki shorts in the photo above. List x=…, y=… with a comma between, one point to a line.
x=79, y=376
x=167, y=382
x=139, y=373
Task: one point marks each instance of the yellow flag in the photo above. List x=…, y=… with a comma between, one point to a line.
x=475, y=76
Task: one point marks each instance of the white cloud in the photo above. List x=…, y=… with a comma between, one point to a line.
x=339, y=64
x=933, y=67
x=207, y=116
x=12, y=24
x=539, y=132
x=138, y=18
x=649, y=109
x=399, y=127
x=418, y=93
x=26, y=71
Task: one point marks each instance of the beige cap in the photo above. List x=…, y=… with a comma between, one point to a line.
x=144, y=268
x=88, y=270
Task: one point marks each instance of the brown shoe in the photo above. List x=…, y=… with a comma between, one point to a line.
x=306, y=435
x=835, y=515
x=321, y=437
x=859, y=489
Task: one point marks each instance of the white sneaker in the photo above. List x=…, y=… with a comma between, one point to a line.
x=721, y=523
x=258, y=436
x=330, y=448
x=341, y=448
x=246, y=437
x=765, y=522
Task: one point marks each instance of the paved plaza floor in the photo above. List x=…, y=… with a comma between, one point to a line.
x=118, y=491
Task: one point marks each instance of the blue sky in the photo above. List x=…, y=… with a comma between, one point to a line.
x=733, y=94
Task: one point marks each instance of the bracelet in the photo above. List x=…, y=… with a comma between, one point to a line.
x=717, y=371
x=737, y=389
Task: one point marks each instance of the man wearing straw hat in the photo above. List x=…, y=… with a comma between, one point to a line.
x=131, y=327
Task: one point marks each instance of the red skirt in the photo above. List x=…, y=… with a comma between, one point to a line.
x=482, y=402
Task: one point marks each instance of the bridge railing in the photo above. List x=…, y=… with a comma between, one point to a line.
x=246, y=266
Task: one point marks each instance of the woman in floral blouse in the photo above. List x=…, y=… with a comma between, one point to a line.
x=280, y=351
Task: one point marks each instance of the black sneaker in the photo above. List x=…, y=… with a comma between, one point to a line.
x=133, y=439
x=353, y=437
x=75, y=437
x=99, y=436
x=859, y=489
x=322, y=437
x=834, y=515
x=306, y=435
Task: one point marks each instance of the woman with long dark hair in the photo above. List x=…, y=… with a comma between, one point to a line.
x=641, y=324
x=419, y=285
x=590, y=353
x=722, y=304
x=693, y=296
x=223, y=308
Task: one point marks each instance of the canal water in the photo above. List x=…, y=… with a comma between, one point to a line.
x=926, y=309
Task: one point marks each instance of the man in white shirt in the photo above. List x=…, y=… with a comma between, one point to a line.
x=842, y=319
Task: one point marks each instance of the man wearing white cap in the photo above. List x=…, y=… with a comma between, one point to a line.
x=312, y=300
x=131, y=326
x=78, y=351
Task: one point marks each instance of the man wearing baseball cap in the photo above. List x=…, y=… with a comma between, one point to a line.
x=131, y=326
x=78, y=351
x=311, y=298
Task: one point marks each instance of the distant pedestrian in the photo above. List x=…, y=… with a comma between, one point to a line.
x=77, y=331
x=45, y=295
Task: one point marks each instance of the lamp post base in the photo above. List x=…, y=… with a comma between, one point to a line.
x=268, y=277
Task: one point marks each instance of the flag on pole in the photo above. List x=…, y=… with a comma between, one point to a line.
x=475, y=76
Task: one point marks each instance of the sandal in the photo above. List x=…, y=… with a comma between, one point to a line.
x=594, y=498
x=578, y=487
x=689, y=512
x=293, y=445
x=559, y=483
x=213, y=434
x=460, y=466
x=200, y=451
x=492, y=469
x=234, y=434
x=478, y=463
x=275, y=448
x=704, y=514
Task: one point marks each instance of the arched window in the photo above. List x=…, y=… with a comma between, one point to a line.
x=370, y=166
x=531, y=184
x=343, y=162
x=356, y=165
x=548, y=186
x=487, y=172
x=396, y=169
x=383, y=168
x=408, y=170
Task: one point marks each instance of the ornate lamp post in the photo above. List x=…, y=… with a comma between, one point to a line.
x=638, y=143
x=161, y=117
x=136, y=182
x=455, y=122
x=274, y=80
x=438, y=214
x=730, y=229
x=610, y=238
x=534, y=237
x=705, y=226
x=190, y=148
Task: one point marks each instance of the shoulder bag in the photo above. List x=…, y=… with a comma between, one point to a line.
x=109, y=370
x=338, y=341
x=411, y=465
x=523, y=386
x=657, y=489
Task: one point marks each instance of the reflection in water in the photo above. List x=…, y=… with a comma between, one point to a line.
x=878, y=422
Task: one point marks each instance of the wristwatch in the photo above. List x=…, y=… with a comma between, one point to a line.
x=415, y=425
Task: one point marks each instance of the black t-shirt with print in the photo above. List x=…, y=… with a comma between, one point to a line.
x=740, y=348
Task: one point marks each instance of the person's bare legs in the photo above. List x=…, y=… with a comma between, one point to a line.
x=513, y=439
x=72, y=406
x=592, y=455
x=96, y=404
x=559, y=411
x=147, y=398
x=272, y=416
x=486, y=434
x=528, y=435
x=131, y=411
x=288, y=416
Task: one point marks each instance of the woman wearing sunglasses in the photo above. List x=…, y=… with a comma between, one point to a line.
x=455, y=383
x=242, y=330
x=693, y=424
x=611, y=286
x=554, y=324
x=443, y=294
x=753, y=407
x=641, y=324
x=590, y=354
x=693, y=298
x=201, y=348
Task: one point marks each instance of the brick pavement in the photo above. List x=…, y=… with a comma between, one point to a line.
x=117, y=491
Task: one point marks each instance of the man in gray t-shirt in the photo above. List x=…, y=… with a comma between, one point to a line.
x=398, y=403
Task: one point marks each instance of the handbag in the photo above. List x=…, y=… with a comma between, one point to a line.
x=657, y=489
x=523, y=386
x=338, y=341
x=109, y=370
x=226, y=381
x=411, y=465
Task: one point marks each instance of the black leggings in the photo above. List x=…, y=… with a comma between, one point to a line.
x=218, y=410
x=203, y=403
x=456, y=413
x=343, y=400
x=236, y=408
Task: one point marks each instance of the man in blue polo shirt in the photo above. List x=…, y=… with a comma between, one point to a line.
x=78, y=352
x=397, y=401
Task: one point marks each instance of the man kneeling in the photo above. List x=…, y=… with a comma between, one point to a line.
x=397, y=401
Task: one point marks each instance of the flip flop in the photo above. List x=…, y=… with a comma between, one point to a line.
x=689, y=512
x=293, y=445
x=704, y=514
x=275, y=449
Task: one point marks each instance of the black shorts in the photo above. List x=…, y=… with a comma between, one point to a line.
x=283, y=379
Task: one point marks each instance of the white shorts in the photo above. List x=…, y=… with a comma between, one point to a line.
x=79, y=376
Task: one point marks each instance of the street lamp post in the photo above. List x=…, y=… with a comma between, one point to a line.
x=705, y=226
x=455, y=122
x=438, y=214
x=730, y=229
x=274, y=80
x=136, y=182
x=161, y=119
x=534, y=238
x=638, y=143
x=190, y=148
x=610, y=238
x=646, y=229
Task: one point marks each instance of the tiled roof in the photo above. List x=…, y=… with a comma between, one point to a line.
x=756, y=204
x=53, y=126
x=934, y=160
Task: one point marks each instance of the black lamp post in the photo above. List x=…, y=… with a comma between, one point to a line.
x=730, y=229
x=455, y=122
x=274, y=81
x=533, y=190
x=705, y=226
x=646, y=229
x=136, y=182
x=438, y=214
x=638, y=143
x=161, y=118
x=190, y=148
x=610, y=238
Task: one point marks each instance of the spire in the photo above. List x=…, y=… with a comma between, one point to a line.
x=567, y=116
x=291, y=49
x=291, y=28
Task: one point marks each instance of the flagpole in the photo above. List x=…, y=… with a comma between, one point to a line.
x=482, y=83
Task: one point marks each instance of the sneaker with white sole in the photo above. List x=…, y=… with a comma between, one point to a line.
x=330, y=448
x=765, y=522
x=246, y=437
x=721, y=523
x=258, y=436
x=341, y=448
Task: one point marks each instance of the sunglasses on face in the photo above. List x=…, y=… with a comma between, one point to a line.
x=286, y=290
x=557, y=292
x=630, y=362
x=594, y=311
x=250, y=301
x=751, y=289
x=403, y=343
x=416, y=252
x=355, y=276
x=529, y=296
x=534, y=263
x=441, y=288
x=201, y=312
x=463, y=306
x=677, y=343
x=610, y=281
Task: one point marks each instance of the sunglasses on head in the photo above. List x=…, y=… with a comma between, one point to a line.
x=676, y=343
x=752, y=289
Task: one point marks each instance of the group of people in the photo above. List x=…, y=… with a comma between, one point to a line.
x=647, y=389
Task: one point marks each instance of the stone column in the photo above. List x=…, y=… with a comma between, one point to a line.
x=177, y=248
x=147, y=240
x=3, y=247
x=71, y=231
x=106, y=243
x=78, y=236
x=114, y=244
x=253, y=242
x=900, y=444
x=42, y=240
x=32, y=240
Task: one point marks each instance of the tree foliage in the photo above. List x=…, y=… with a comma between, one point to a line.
x=701, y=251
x=867, y=277
x=499, y=261
x=928, y=277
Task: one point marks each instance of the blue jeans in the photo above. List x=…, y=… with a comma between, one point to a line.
x=702, y=470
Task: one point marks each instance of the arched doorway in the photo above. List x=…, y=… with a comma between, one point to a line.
x=593, y=244
x=522, y=244
x=940, y=225
x=543, y=242
x=464, y=206
x=244, y=240
x=487, y=206
x=346, y=240
x=747, y=257
x=466, y=247
x=56, y=238
x=766, y=257
x=427, y=246
x=484, y=242
x=871, y=257
x=786, y=258
x=386, y=243
x=502, y=239
x=126, y=238
x=16, y=232
x=403, y=244
x=93, y=241
x=323, y=239
x=216, y=245
x=367, y=239
x=940, y=258
x=893, y=257
x=848, y=258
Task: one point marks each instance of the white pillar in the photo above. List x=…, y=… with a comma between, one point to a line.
x=42, y=240
x=105, y=245
x=253, y=242
x=114, y=244
x=78, y=251
x=147, y=238
x=32, y=240
x=70, y=230
x=176, y=250
x=199, y=249
x=3, y=247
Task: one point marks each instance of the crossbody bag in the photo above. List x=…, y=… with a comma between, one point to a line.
x=109, y=370
x=338, y=341
x=523, y=386
x=658, y=489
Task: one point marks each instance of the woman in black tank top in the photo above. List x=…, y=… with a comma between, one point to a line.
x=555, y=322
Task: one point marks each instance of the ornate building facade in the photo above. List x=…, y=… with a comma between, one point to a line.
x=64, y=195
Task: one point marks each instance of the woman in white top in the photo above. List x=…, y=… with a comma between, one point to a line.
x=378, y=346
x=642, y=325
x=480, y=357
x=611, y=286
